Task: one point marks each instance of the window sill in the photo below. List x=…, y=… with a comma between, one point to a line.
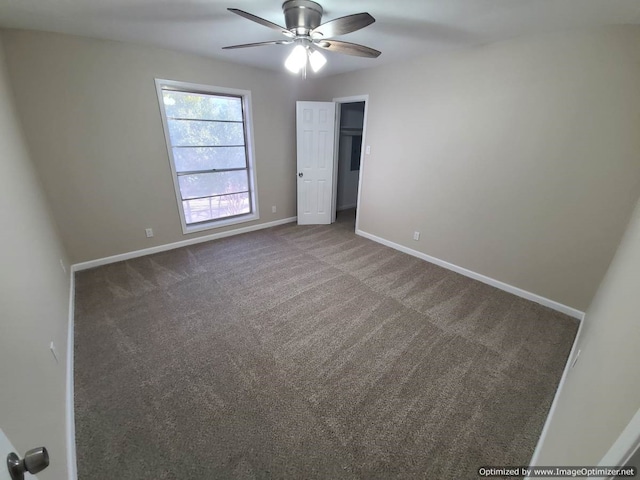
x=250, y=217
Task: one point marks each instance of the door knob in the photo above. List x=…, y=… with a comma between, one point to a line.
x=34, y=461
x=300, y=174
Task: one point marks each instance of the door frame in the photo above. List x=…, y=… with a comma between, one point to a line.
x=625, y=445
x=336, y=148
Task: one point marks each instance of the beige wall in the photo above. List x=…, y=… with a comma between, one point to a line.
x=92, y=121
x=601, y=393
x=518, y=160
x=34, y=295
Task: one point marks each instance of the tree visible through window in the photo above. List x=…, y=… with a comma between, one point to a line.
x=207, y=138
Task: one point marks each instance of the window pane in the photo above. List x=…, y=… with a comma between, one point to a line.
x=201, y=133
x=206, y=133
x=208, y=184
x=202, y=158
x=212, y=208
x=202, y=106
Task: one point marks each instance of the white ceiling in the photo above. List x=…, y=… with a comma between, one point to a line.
x=403, y=28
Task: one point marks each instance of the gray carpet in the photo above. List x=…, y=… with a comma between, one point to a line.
x=306, y=352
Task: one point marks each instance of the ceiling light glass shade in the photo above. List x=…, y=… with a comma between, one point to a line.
x=297, y=59
x=317, y=60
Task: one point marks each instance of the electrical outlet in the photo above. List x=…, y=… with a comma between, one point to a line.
x=416, y=236
x=273, y=209
x=52, y=347
x=64, y=268
x=148, y=232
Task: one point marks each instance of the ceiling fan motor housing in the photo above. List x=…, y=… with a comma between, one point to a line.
x=301, y=16
x=304, y=28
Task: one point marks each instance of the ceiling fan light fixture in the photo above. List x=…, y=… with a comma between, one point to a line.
x=297, y=59
x=317, y=60
x=304, y=28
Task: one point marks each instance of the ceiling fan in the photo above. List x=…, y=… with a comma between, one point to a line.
x=303, y=28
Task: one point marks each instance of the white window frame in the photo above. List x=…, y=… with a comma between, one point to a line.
x=245, y=95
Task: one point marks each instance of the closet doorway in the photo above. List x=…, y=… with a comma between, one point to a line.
x=349, y=153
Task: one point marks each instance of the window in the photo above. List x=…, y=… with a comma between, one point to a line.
x=207, y=130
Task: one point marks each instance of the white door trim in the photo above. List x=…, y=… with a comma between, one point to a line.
x=625, y=445
x=72, y=464
x=339, y=101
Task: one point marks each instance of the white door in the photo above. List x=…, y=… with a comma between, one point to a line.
x=5, y=449
x=315, y=138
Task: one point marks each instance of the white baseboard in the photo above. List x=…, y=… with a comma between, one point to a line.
x=183, y=243
x=572, y=312
x=347, y=207
x=71, y=422
x=556, y=397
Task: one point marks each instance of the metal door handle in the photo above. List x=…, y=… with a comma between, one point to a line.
x=300, y=174
x=34, y=461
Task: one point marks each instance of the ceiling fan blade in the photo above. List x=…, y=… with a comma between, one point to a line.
x=342, y=25
x=348, y=48
x=262, y=21
x=259, y=44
